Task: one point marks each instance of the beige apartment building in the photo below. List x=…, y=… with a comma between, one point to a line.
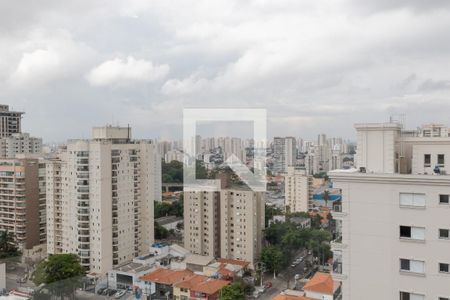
x=201, y=223
x=19, y=200
x=226, y=224
x=394, y=217
x=101, y=195
x=297, y=190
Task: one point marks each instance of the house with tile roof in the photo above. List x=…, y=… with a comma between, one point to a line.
x=322, y=286
x=164, y=280
x=199, y=287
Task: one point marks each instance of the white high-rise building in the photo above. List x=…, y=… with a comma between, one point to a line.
x=297, y=190
x=284, y=153
x=19, y=143
x=394, y=240
x=103, y=208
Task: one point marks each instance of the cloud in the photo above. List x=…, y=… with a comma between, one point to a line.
x=120, y=71
x=177, y=87
x=46, y=55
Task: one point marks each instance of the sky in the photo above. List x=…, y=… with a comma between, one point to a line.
x=316, y=66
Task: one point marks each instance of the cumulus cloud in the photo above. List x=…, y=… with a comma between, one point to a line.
x=119, y=71
x=191, y=84
x=46, y=55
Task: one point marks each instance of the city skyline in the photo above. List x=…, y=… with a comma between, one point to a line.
x=315, y=66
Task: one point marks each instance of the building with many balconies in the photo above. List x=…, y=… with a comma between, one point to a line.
x=101, y=195
x=393, y=238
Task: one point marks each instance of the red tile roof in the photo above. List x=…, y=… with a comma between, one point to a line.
x=321, y=283
x=167, y=276
x=202, y=284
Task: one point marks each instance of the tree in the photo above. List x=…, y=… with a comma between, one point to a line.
x=160, y=232
x=274, y=259
x=61, y=273
x=270, y=212
x=326, y=197
x=232, y=292
x=8, y=246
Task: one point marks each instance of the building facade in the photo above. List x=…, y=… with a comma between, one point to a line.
x=201, y=223
x=242, y=215
x=19, y=143
x=109, y=185
x=393, y=220
x=10, y=121
x=297, y=190
x=226, y=224
x=19, y=200
x=284, y=153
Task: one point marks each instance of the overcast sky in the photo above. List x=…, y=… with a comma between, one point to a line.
x=317, y=66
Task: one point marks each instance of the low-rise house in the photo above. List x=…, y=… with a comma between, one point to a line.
x=226, y=268
x=199, y=287
x=163, y=281
x=196, y=263
x=291, y=295
x=322, y=286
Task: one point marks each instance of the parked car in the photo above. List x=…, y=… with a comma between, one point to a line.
x=100, y=290
x=267, y=285
x=105, y=292
x=120, y=293
x=112, y=292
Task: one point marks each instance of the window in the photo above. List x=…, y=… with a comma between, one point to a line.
x=412, y=199
x=441, y=159
x=413, y=266
x=443, y=298
x=444, y=233
x=411, y=296
x=427, y=160
x=443, y=268
x=444, y=199
x=414, y=233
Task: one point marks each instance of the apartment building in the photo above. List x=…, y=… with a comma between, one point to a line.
x=103, y=208
x=297, y=190
x=226, y=224
x=10, y=121
x=19, y=143
x=284, y=153
x=241, y=224
x=54, y=187
x=19, y=200
x=201, y=223
x=394, y=224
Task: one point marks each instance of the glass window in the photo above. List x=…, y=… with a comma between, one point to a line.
x=444, y=233
x=443, y=268
x=427, y=160
x=441, y=159
x=444, y=199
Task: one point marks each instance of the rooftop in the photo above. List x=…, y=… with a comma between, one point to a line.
x=167, y=276
x=321, y=283
x=203, y=284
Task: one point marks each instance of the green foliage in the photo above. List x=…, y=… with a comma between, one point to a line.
x=8, y=246
x=274, y=258
x=286, y=238
x=270, y=212
x=163, y=209
x=61, y=273
x=172, y=172
x=232, y=292
x=160, y=232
